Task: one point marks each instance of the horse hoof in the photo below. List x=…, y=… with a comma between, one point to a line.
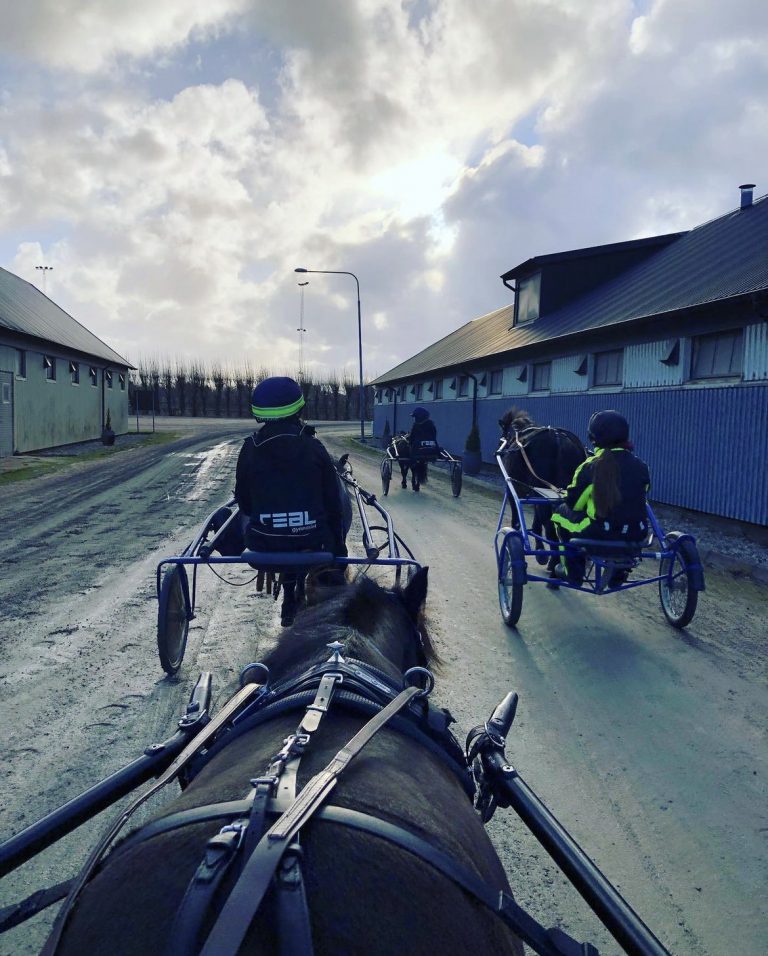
x=541, y=559
x=553, y=585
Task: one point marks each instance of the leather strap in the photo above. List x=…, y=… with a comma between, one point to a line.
x=237, y=914
x=192, y=747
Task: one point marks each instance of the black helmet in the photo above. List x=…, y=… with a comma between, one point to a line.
x=608, y=428
x=277, y=397
x=420, y=414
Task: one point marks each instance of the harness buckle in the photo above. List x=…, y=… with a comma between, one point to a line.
x=264, y=784
x=237, y=827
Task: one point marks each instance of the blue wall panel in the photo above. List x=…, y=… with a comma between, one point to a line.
x=707, y=448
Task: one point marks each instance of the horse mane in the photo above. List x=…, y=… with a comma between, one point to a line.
x=515, y=418
x=347, y=613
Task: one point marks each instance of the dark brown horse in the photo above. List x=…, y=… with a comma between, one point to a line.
x=547, y=459
x=365, y=896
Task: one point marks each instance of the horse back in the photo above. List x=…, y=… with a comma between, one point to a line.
x=365, y=895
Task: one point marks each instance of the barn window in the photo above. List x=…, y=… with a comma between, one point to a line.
x=540, y=375
x=49, y=364
x=463, y=386
x=6, y=394
x=417, y=391
x=74, y=372
x=438, y=392
x=527, y=299
x=497, y=378
x=609, y=368
x=108, y=378
x=121, y=379
x=21, y=363
x=93, y=375
x=717, y=355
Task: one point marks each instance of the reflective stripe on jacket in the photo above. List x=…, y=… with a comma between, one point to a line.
x=628, y=518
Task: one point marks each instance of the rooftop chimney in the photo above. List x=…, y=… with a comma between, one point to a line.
x=746, y=195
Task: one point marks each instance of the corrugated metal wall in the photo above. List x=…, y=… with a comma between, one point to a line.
x=756, y=352
x=707, y=448
x=644, y=366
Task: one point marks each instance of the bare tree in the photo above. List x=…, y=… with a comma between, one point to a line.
x=217, y=377
x=349, y=389
x=166, y=376
x=180, y=385
x=333, y=388
x=249, y=377
x=239, y=377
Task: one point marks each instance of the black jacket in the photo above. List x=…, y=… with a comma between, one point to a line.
x=423, y=438
x=628, y=519
x=287, y=484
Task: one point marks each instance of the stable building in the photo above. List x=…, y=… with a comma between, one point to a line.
x=58, y=381
x=670, y=330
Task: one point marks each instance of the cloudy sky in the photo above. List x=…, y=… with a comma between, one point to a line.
x=175, y=160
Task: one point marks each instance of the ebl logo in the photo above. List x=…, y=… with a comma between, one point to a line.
x=296, y=520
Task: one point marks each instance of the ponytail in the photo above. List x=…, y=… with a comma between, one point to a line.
x=605, y=483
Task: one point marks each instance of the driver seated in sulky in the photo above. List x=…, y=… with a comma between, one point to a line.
x=286, y=485
x=422, y=440
x=606, y=499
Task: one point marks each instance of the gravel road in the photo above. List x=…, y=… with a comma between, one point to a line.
x=649, y=744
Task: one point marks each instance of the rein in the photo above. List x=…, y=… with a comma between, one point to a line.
x=537, y=430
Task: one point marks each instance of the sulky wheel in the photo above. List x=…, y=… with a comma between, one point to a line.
x=677, y=588
x=456, y=479
x=173, y=615
x=386, y=475
x=511, y=580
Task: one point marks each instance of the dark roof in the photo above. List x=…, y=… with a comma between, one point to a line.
x=719, y=260
x=480, y=337
x=25, y=309
x=589, y=252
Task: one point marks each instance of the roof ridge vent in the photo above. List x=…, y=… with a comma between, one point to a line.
x=746, y=195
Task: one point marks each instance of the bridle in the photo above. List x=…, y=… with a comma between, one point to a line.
x=530, y=432
x=269, y=853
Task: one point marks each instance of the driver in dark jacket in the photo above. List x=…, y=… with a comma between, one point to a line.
x=286, y=485
x=423, y=444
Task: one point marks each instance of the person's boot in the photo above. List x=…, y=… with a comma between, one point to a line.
x=403, y=483
x=289, y=606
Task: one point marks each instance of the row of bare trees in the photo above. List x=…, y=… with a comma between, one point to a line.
x=212, y=390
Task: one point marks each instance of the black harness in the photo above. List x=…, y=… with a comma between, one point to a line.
x=258, y=848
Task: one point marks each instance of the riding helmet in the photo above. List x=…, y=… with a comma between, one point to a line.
x=420, y=414
x=277, y=397
x=608, y=428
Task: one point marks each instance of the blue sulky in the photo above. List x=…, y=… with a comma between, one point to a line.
x=680, y=575
x=177, y=596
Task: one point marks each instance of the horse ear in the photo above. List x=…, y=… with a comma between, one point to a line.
x=415, y=593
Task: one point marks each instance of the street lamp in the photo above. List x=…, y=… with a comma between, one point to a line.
x=331, y=272
x=45, y=270
x=301, y=330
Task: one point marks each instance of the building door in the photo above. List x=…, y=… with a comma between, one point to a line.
x=6, y=414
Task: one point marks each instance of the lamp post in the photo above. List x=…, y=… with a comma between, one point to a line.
x=332, y=272
x=45, y=270
x=301, y=330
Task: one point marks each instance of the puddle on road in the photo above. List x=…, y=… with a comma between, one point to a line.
x=203, y=472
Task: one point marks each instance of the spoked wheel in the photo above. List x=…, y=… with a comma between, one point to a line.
x=510, y=586
x=173, y=616
x=456, y=479
x=386, y=475
x=677, y=592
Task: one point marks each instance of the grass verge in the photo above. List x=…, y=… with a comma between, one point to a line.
x=42, y=466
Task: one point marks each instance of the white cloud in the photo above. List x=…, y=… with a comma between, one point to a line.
x=425, y=147
x=86, y=35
